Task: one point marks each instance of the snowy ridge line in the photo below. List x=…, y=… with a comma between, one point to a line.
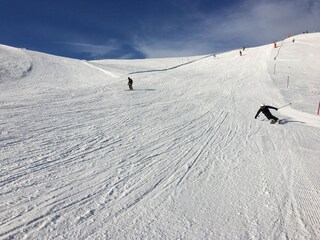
x=100, y=69
x=171, y=68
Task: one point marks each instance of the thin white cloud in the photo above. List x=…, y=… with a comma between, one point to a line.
x=94, y=50
x=264, y=21
x=153, y=47
x=250, y=23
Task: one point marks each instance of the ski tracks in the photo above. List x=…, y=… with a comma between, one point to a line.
x=203, y=143
x=289, y=204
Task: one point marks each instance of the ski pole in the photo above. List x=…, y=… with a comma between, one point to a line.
x=284, y=106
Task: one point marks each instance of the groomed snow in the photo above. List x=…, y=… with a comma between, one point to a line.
x=180, y=157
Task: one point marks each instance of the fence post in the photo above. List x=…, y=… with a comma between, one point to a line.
x=319, y=108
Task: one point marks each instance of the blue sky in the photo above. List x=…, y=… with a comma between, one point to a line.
x=129, y=29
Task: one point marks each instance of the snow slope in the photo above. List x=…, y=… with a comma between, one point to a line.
x=181, y=157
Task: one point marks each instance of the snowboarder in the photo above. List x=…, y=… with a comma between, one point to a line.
x=130, y=82
x=265, y=110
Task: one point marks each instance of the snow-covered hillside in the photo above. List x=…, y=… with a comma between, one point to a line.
x=180, y=157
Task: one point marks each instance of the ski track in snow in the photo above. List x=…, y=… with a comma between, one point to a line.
x=179, y=157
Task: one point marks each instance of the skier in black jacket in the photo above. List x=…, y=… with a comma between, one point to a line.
x=265, y=110
x=130, y=82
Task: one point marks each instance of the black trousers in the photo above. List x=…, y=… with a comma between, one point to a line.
x=273, y=117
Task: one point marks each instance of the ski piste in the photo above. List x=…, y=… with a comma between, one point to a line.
x=83, y=159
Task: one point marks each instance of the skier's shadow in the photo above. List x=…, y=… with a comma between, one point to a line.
x=146, y=90
x=289, y=120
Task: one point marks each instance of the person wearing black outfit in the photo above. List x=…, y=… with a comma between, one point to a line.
x=265, y=110
x=130, y=83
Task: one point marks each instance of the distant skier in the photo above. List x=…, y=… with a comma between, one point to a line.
x=265, y=110
x=130, y=83
x=240, y=53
